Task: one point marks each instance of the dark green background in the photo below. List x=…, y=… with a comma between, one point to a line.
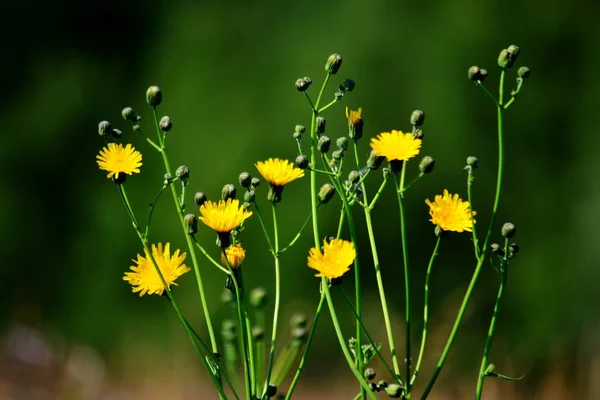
x=227, y=71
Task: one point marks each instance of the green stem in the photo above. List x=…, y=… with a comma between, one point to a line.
x=152, y=207
x=484, y=250
x=341, y=223
x=129, y=209
x=263, y=226
x=325, y=107
x=470, y=179
x=487, y=92
x=306, y=221
x=209, y=258
x=421, y=174
x=425, y=310
x=376, y=197
x=260, y=348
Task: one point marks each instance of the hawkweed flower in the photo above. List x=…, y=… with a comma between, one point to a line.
x=235, y=257
x=335, y=259
x=117, y=159
x=278, y=173
x=396, y=146
x=355, y=123
x=145, y=279
x=223, y=217
x=451, y=213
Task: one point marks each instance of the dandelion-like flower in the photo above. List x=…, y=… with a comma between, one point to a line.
x=396, y=145
x=117, y=159
x=223, y=217
x=278, y=173
x=145, y=279
x=335, y=260
x=353, y=116
x=235, y=256
x=355, y=123
x=451, y=213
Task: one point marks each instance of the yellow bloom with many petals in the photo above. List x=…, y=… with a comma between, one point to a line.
x=335, y=260
x=223, y=217
x=451, y=213
x=117, y=159
x=278, y=172
x=396, y=145
x=235, y=255
x=145, y=279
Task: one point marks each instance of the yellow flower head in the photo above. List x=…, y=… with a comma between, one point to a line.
x=396, y=146
x=235, y=255
x=224, y=216
x=278, y=172
x=450, y=213
x=117, y=159
x=145, y=279
x=335, y=260
x=353, y=116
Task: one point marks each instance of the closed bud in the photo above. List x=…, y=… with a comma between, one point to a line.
x=116, y=133
x=382, y=384
x=165, y=124
x=348, y=85
x=426, y=165
x=507, y=57
x=334, y=62
x=297, y=135
x=326, y=193
x=417, y=118
x=370, y=374
x=509, y=230
x=418, y=133
x=128, y=114
x=301, y=162
x=229, y=192
x=168, y=179
x=474, y=73
x=249, y=196
x=514, y=52
x=321, y=123
x=342, y=143
x=271, y=390
x=394, y=390
x=245, y=179
x=300, y=129
x=258, y=333
x=324, y=144
x=496, y=249
x=514, y=249
x=191, y=224
x=307, y=80
x=484, y=74
x=374, y=161
x=258, y=297
x=298, y=320
x=338, y=154
x=200, y=198
x=153, y=96
x=183, y=173
x=354, y=177
x=523, y=72
x=302, y=85
x=373, y=387
x=255, y=182
x=104, y=128
x=473, y=161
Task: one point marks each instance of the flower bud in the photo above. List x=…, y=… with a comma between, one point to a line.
x=355, y=123
x=300, y=334
x=417, y=118
x=418, y=133
x=369, y=374
x=301, y=162
x=200, y=198
x=298, y=320
x=228, y=331
x=509, y=230
x=183, y=173
x=523, y=72
x=255, y=182
x=514, y=52
x=507, y=57
x=302, y=85
x=249, y=196
x=348, y=85
x=326, y=193
x=297, y=135
x=342, y=143
x=394, y=390
x=104, y=128
x=338, y=154
x=128, y=114
x=496, y=249
x=258, y=297
x=334, y=62
x=116, y=133
x=321, y=125
x=307, y=80
x=153, y=96
x=245, y=179
x=483, y=73
x=374, y=161
x=300, y=129
x=258, y=333
x=191, y=224
x=474, y=73
x=426, y=165
x=168, y=179
x=324, y=144
x=229, y=192
x=271, y=390
x=165, y=124
x=381, y=385
x=514, y=249
x=373, y=387
x=354, y=177
x=472, y=161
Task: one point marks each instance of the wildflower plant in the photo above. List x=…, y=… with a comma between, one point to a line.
x=335, y=171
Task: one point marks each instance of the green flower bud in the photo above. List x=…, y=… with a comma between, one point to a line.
x=255, y=182
x=104, y=128
x=297, y=135
x=245, y=179
x=348, y=85
x=301, y=162
x=342, y=143
x=229, y=192
x=354, y=177
x=249, y=196
x=381, y=385
x=307, y=80
x=191, y=224
x=496, y=249
x=200, y=198
x=326, y=193
x=394, y=390
x=298, y=320
x=426, y=165
x=369, y=374
x=509, y=230
x=168, y=179
x=321, y=125
x=302, y=85
x=514, y=249
x=228, y=331
x=271, y=390
x=258, y=297
x=334, y=62
x=484, y=74
x=324, y=144
x=258, y=334
x=299, y=334
x=417, y=118
x=373, y=387
x=523, y=72
x=472, y=161
x=165, y=124
x=374, y=161
x=514, y=52
x=300, y=129
x=338, y=154
x=116, y=133
x=153, y=96
x=474, y=73
x=183, y=173
x=128, y=114
x=418, y=133
x=507, y=57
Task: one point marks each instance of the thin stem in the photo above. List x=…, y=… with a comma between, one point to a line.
x=260, y=347
x=421, y=174
x=309, y=100
x=320, y=171
x=376, y=197
x=341, y=223
x=129, y=209
x=470, y=179
x=487, y=92
x=325, y=107
x=425, y=310
x=152, y=207
x=298, y=234
x=262, y=224
x=212, y=260
x=157, y=147
x=485, y=248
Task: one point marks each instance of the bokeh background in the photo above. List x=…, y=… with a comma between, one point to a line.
x=70, y=328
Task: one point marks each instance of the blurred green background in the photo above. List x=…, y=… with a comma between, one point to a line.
x=227, y=70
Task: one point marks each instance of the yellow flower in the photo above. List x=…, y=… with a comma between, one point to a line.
x=235, y=255
x=224, y=216
x=145, y=279
x=353, y=116
x=396, y=146
x=117, y=159
x=355, y=123
x=335, y=261
x=278, y=172
x=450, y=213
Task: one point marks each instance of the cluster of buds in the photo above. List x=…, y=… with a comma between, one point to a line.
x=250, y=184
